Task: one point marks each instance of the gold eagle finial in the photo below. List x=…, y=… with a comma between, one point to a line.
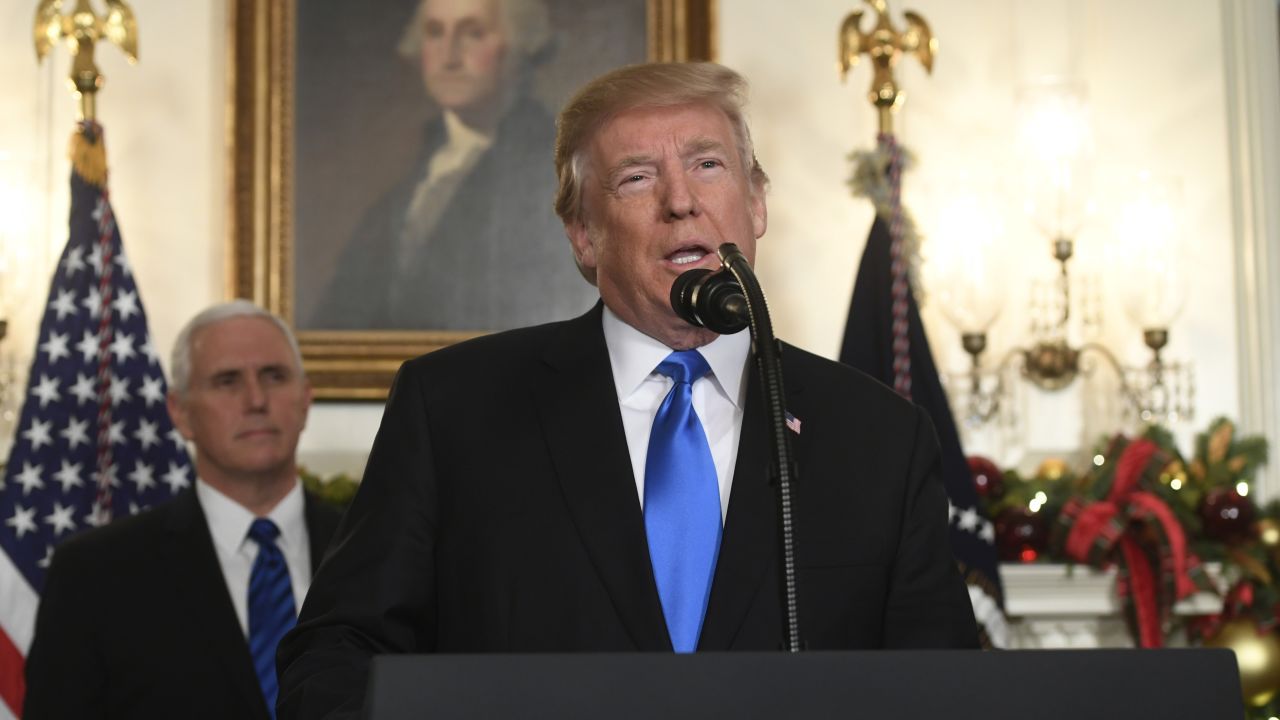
x=81, y=29
x=884, y=45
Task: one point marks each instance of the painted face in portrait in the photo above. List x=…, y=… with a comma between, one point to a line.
x=466, y=61
x=664, y=188
x=246, y=402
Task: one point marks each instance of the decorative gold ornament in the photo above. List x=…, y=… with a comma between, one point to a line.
x=81, y=29
x=884, y=45
x=1052, y=469
x=1257, y=655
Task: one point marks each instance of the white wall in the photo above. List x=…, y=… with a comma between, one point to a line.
x=1156, y=89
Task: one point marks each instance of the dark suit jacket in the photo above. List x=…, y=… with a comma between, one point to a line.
x=497, y=259
x=136, y=622
x=499, y=513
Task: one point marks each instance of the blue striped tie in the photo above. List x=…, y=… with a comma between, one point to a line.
x=681, y=503
x=271, y=609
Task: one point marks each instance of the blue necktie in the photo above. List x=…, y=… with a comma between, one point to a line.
x=271, y=609
x=681, y=503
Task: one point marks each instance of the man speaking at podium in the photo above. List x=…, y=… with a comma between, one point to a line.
x=601, y=484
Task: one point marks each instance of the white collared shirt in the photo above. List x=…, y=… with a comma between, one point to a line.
x=229, y=523
x=462, y=145
x=719, y=398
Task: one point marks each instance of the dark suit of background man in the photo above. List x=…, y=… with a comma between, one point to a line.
x=506, y=503
x=150, y=617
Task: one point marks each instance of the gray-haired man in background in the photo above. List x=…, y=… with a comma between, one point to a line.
x=176, y=611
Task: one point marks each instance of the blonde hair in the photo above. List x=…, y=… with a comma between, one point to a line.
x=648, y=85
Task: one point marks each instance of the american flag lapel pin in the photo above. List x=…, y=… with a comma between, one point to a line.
x=793, y=422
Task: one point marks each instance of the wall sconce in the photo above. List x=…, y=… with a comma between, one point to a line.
x=1055, y=149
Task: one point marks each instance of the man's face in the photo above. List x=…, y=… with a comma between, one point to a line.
x=246, y=402
x=464, y=53
x=663, y=188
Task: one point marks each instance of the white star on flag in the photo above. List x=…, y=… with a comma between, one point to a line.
x=988, y=532
x=64, y=304
x=55, y=347
x=119, y=390
x=74, y=261
x=123, y=264
x=47, y=560
x=93, y=302
x=176, y=438
x=176, y=478
x=95, y=259
x=23, y=520
x=111, y=478
x=126, y=304
x=83, y=389
x=38, y=434
x=69, y=476
x=60, y=518
x=97, y=516
x=46, y=390
x=968, y=519
x=142, y=476
x=88, y=346
x=29, y=478
x=152, y=390
x=146, y=433
x=76, y=432
x=122, y=347
x=149, y=349
x=115, y=434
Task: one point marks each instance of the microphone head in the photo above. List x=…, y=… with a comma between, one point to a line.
x=684, y=293
x=711, y=300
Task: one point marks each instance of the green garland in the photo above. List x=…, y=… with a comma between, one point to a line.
x=1222, y=460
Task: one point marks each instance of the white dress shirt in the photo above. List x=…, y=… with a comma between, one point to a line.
x=719, y=397
x=229, y=523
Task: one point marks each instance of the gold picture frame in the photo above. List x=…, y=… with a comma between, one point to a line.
x=342, y=364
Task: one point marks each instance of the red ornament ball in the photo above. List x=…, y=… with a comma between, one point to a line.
x=1021, y=535
x=987, y=478
x=1227, y=516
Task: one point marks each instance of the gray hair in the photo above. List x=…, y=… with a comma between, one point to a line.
x=648, y=85
x=526, y=23
x=180, y=361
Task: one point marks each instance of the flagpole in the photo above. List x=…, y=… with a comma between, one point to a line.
x=885, y=45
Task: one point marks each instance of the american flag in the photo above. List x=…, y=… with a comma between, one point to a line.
x=94, y=440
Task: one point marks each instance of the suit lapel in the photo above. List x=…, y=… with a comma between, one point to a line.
x=579, y=413
x=749, y=545
x=193, y=565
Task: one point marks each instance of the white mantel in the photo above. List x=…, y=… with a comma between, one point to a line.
x=1073, y=606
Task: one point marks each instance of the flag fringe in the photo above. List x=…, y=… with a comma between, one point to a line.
x=88, y=154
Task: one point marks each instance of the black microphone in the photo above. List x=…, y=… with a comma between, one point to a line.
x=711, y=300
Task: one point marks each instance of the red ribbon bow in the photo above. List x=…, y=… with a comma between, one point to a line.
x=1100, y=526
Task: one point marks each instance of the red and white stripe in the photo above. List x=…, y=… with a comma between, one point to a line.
x=18, y=602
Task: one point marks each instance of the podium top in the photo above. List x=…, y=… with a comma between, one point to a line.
x=1197, y=684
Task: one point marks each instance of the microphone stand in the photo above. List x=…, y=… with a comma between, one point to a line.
x=783, y=470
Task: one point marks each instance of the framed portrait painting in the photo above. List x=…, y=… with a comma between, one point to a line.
x=391, y=165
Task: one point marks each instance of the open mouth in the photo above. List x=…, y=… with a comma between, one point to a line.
x=687, y=255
